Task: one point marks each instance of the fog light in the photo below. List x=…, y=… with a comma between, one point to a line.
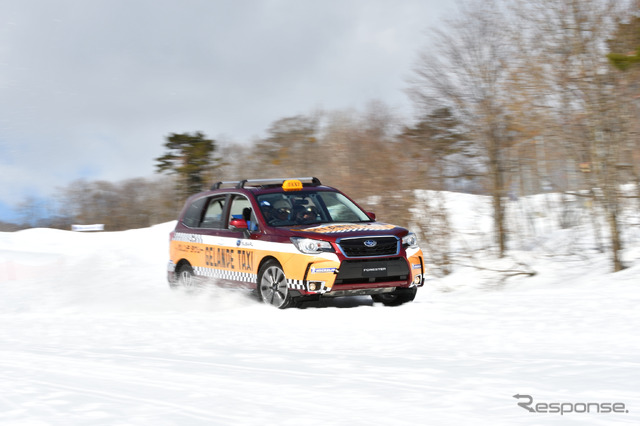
x=417, y=280
x=315, y=285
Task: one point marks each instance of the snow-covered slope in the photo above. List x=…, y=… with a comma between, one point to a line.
x=90, y=334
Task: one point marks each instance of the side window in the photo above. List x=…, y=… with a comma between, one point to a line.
x=241, y=209
x=194, y=213
x=213, y=213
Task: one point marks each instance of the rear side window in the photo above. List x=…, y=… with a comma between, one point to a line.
x=213, y=214
x=205, y=213
x=194, y=213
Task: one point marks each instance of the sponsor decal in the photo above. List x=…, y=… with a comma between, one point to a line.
x=189, y=248
x=327, y=229
x=228, y=258
x=322, y=270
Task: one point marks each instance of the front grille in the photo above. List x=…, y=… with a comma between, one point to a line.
x=361, y=247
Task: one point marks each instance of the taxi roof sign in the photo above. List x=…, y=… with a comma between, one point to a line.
x=292, y=185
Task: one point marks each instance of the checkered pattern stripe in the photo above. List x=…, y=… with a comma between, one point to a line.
x=187, y=238
x=224, y=274
x=297, y=284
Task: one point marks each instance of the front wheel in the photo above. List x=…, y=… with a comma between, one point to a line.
x=397, y=297
x=272, y=285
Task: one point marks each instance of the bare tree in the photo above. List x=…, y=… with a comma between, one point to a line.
x=132, y=203
x=442, y=156
x=581, y=92
x=368, y=161
x=465, y=71
x=290, y=147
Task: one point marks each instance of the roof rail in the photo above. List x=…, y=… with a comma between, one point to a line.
x=310, y=181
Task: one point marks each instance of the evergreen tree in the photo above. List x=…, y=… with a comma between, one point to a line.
x=190, y=157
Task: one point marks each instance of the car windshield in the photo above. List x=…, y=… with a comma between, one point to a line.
x=303, y=208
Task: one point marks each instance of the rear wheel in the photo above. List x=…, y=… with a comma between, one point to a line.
x=185, y=279
x=397, y=297
x=272, y=285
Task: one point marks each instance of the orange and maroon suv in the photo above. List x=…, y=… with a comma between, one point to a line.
x=292, y=240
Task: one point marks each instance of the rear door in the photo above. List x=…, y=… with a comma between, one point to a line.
x=214, y=250
x=228, y=253
x=204, y=218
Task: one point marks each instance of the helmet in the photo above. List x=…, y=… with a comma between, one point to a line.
x=282, y=209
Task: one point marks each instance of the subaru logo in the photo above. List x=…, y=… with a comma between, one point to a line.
x=371, y=243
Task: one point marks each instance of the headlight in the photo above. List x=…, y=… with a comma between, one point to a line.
x=410, y=240
x=309, y=246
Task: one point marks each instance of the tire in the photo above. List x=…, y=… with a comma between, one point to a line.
x=273, y=288
x=396, y=298
x=185, y=279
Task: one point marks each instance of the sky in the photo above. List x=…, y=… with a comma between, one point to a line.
x=90, y=89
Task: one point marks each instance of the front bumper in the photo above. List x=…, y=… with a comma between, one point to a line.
x=360, y=276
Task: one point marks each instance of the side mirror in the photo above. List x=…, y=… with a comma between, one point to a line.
x=371, y=215
x=238, y=225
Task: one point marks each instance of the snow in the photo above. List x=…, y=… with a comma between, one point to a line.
x=90, y=333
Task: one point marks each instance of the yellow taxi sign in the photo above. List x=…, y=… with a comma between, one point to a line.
x=292, y=185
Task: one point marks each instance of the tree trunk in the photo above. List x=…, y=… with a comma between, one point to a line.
x=616, y=242
x=498, y=213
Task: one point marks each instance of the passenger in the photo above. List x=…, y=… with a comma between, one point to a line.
x=267, y=211
x=246, y=215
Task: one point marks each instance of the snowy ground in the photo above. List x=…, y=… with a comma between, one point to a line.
x=91, y=335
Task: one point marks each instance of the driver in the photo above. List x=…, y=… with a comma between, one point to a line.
x=282, y=210
x=306, y=215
